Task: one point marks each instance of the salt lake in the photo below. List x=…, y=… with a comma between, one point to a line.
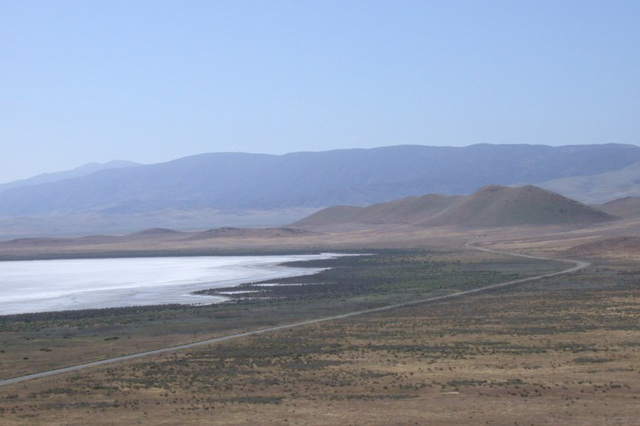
x=71, y=284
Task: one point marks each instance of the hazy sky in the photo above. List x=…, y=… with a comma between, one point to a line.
x=150, y=81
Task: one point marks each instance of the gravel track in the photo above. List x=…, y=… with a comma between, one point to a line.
x=577, y=265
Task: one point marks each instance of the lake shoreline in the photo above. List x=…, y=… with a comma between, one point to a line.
x=105, y=284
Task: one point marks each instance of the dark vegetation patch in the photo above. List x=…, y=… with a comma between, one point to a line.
x=354, y=283
x=549, y=344
x=384, y=273
x=591, y=360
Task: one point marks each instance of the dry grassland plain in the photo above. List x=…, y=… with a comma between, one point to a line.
x=564, y=349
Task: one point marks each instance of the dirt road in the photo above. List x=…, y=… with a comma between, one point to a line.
x=577, y=265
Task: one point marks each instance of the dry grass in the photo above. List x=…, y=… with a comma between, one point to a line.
x=561, y=351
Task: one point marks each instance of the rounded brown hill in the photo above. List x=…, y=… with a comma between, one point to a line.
x=512, y=206
x=490, y=206
x=404, y=211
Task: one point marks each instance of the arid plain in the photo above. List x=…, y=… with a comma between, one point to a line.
x=562, y=349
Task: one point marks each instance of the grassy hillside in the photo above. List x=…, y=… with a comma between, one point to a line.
x=620, y=248
x=622, y=207
x=490, y=206
x=527, y=205
x=404, y=211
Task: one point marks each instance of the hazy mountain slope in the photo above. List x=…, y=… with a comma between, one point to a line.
x=509, y=206
x=68, y=174
x=599, y=188
x=331, y=216
x=229, y=181
x=98, y=223
x=622, y=207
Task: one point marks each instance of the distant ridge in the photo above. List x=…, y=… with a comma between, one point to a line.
x=155, y=233
x=359, y=177
x=144, y=243
x=492, y=205
x=250, y=233
x=85, y=170
x=261, y=190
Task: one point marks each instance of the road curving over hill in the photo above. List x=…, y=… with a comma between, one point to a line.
x=577, y=265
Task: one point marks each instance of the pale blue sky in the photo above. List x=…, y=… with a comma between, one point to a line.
x=150, y=81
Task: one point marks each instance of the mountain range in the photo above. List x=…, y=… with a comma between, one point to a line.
x=81, y=171
x=240, y=185
x=599, y=188
x=492, y=206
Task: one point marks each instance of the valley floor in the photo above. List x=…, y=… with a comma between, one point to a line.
x=562, y=350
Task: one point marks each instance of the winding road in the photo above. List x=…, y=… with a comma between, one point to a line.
x=578, y=265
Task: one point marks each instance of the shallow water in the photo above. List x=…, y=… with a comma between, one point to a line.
x=70, y=284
